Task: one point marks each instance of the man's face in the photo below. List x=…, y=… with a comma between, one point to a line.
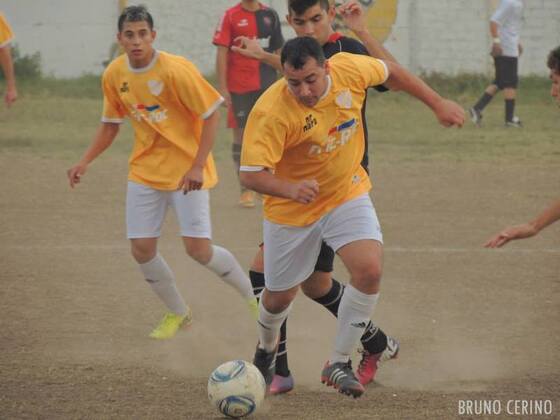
x=555, y=88
x=309, y=83
x=315, y=22
x=136, y=38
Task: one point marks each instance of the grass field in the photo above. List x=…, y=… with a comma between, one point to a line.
x=474, y=324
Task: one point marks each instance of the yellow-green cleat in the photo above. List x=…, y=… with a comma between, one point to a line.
x=170, y=324
x=253, y=305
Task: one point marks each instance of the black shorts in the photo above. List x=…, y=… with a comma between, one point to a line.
x=325, y=260
x=506, y=72
x=242, y=104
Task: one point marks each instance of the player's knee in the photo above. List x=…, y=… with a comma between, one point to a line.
x=142, y=253
x=199, y=252
x=369, y=277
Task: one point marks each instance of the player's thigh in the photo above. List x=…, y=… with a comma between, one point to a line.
x=258, y=261
x=193, y=213
x=242, y=104
x=145, y=211
x=317, y=285
x=290, y=254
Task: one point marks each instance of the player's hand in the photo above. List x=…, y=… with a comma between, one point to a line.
x=449, y=113
x=514, y=232
x=249, y=47
x=352, y=16
x=496, y=50
x=75, y=174
x=227, y=98
x=305, y=192
x=11, y=96
x=192, y=180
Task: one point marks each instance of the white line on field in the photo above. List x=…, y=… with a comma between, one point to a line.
x=396, y=249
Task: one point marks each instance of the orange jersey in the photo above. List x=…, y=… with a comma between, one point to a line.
x=167, y=102
x=324, y=143
x=6, y=34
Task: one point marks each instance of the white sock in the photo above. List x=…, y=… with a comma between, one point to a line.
x=354, y=313
x=224, y=264
x=269, y=327
x=160, y=278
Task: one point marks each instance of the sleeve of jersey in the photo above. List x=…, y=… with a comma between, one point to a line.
x=500, y=13
x=277, y=40
x=263, y=142
x=373, y=71
x=113, y=111
x=194, y=90
x=6, y=34
x=222, y=36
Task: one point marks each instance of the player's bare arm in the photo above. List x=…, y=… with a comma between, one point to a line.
x=353, y=17
x=250, y=47
x=193, y=179
x=447, y=112
x=265, y=182
x=8, y=68
x=221, y=71
x=104, y=137
x=547, y=217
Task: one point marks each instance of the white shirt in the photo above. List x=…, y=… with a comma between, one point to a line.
x=508, y=16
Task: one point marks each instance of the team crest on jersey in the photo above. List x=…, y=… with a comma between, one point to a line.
x=344, y=99
x=310, y=122
x=155, y=86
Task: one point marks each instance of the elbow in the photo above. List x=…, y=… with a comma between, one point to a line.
x=246, y=179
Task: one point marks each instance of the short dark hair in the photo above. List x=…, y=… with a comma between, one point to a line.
x=298, y=50
x=299, y=7
x=135, y=14
x=553, y=61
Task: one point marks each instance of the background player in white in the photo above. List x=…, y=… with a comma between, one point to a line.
x=505, y=28
x=173, y=112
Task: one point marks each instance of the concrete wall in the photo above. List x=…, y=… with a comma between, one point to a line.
x=449, y=36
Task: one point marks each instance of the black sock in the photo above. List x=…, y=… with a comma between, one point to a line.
x=236, y=156
x=510, y=109
x=257, y=281
x=282, y=355
x=483, y=101
x=331, y=300
x=374, y=339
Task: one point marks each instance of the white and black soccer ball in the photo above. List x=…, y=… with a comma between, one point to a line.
x=236, y=388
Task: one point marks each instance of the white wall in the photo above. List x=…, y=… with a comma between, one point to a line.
x=449, y=36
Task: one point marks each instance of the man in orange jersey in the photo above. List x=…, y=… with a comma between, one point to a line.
x=302, y=148
x=173, y=113
x=6, y=38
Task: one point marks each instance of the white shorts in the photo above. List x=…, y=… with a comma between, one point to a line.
x=290, y=252
x=146, y=208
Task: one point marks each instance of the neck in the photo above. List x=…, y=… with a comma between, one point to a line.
x=250, y=5
x=140, y=63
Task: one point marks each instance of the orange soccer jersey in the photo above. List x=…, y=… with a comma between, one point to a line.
x=325, y=143
x=167, y=102
x=6, y=34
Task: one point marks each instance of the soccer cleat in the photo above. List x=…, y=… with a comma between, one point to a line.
x=341, y=377
x=476, y=116
x=515, y=122
x=281, y=384
x=370, y=362
x=169, y=325
x=253, y=305
x=247, y=199
x=266, y=363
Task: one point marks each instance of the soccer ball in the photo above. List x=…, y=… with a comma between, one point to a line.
x=236, y=388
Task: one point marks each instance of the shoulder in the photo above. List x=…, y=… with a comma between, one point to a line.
x=117, y=65
x=351, y=45
x=269, y=10
x=275, y=103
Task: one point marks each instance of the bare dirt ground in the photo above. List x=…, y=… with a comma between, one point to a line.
x=474, y=324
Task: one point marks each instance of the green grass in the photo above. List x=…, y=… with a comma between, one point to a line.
x=59, y=117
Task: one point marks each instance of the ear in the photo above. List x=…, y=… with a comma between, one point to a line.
x=331, y=13
x=289, y=18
